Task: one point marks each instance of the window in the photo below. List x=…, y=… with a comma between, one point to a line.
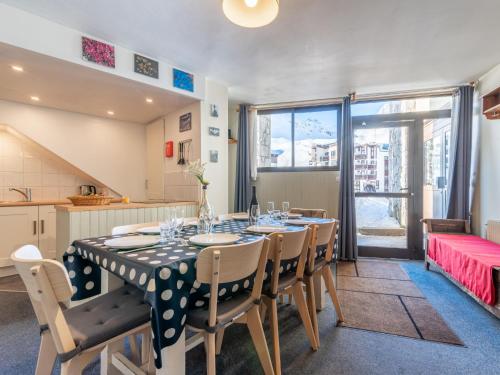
x=298, y=139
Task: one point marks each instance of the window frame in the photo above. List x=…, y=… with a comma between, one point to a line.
x=292, y=111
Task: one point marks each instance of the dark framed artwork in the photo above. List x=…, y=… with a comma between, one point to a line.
x=98, y=52
x=214, y=110
x=145, y=66
x=185, y=122
x=183, y=80
x=214, y=156
x=214, y=131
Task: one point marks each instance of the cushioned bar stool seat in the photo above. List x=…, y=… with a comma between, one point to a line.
x=105, y=317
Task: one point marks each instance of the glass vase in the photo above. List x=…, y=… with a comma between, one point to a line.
x=206, y=213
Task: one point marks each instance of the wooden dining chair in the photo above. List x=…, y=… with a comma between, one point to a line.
x=310, y=212
x=323, y=234
x=225, y=264
x=132, y=228
x=287, y=246
x=76, y=335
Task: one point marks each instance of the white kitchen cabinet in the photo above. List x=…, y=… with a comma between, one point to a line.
x=18, y=226
x=47, y=231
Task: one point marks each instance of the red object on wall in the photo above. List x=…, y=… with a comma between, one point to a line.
x=169, y=149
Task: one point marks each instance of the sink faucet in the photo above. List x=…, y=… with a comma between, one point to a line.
x=25, y=192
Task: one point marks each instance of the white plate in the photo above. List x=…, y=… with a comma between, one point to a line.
x=132, y=242
x=266, y=228
x=298, y=222
x=193, y=221
x=214, y=239
x=149, y=230
x=240, y=217
x=293, y=215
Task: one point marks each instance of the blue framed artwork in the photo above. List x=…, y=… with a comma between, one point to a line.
x=183, y=80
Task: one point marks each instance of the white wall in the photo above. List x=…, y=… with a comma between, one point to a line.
x=29, y=31
x=216, y=173
x=178, y=184
x=112, y=152
x=487, y=202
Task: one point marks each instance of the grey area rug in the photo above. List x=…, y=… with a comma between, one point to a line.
x=379, y=296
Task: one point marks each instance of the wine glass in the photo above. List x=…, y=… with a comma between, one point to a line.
x=254, y=214
x=270, y=209
x=286, y=208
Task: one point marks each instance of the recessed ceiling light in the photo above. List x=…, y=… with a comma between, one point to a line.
x=111, y=113
x=149, y=100
x=17, y=68
x=35, y=98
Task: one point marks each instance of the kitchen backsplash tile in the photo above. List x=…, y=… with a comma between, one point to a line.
x=23, y=164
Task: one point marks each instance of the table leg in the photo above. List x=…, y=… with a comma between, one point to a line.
x=109, y=281
x=173, y=358
x=319, y=291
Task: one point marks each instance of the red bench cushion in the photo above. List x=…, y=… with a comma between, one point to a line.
x=469, y=259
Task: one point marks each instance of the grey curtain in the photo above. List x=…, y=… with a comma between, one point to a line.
x=459, y=178
x=347, y=246
x=242, y=193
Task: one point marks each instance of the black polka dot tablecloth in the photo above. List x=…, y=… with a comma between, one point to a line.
x=166, y=273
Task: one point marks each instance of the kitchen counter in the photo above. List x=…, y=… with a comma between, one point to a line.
x=33, y=203
x=121, y=206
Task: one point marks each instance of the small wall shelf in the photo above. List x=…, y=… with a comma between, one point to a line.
x=232, y=141
x=491, y=105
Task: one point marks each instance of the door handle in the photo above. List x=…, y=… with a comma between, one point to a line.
x=42, y=226
x=34, y=227
x=403, y=189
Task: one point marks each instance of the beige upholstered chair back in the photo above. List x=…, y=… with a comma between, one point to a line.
x=132, y=228
x=493, y=231
x=307, y=212
x=48, y=285
x=235, y=261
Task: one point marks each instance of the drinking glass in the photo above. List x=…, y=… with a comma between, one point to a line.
x=270, y=210
x=254, y=214
x=286, y=208
x=166, y=228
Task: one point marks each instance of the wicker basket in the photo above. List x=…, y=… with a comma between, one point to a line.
x=90, y=200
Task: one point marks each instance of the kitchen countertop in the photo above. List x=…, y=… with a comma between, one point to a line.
x=120, y=206
x=33, y=203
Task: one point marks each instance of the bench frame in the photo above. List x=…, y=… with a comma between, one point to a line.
x=461, y=227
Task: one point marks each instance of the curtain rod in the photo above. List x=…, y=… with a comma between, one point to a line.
x=409, y=94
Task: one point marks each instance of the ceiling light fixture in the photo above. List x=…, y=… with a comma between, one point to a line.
x=111, y=113
x=17, y=68
x=251, y=13
x=35, y=98
x=149, y=100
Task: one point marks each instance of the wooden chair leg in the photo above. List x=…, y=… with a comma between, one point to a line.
x=273, y=322
x=135, y=355
x=210, y=352
x=311, y=306
x=219, y=337
x=300, y=301
x=146, y=346
x=76, y=365
x=263, y=310
x=254, y=325
x=281, y=299
x=328, y=277
x=46, y=355
x=290, y=298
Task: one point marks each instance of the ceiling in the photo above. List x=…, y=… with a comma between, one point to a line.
x=72, y=87
x=314, y=49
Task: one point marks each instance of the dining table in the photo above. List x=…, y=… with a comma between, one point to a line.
x=166, y=273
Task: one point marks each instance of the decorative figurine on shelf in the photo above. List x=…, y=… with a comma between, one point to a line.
x=206, y=213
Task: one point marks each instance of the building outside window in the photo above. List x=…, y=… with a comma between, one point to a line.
x=298, y=139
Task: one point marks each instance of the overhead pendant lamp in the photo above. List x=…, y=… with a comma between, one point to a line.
x=251, y=13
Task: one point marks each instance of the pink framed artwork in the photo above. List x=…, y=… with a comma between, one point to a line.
x=98, y=52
